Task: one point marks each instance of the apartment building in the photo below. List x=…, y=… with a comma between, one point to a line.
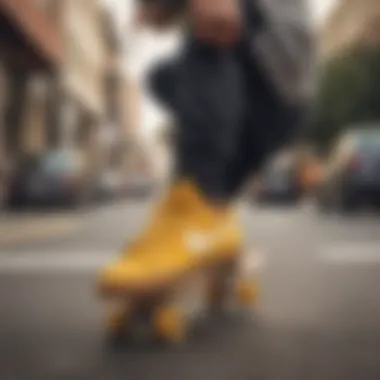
x=82, y=75
x=351, y=22
x=26, y=28
x=31, y=48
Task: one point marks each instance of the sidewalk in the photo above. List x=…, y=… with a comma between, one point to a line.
x=20, y=229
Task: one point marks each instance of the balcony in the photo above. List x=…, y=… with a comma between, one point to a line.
x=36, y=30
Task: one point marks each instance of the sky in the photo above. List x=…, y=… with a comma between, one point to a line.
x=321, y=9
x=145, y=48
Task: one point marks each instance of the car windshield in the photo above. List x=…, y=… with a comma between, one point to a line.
x=369, y=143
x=57, y=162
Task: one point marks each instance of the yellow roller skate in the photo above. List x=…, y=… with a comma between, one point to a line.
x=228, y=281
x=189, y=243
x=185, y=234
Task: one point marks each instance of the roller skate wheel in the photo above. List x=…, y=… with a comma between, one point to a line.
x=118, y=322
x=247, y=294
x=170, y=325
x=216, y=297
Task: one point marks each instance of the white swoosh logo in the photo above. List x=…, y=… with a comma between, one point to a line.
x=201, y=243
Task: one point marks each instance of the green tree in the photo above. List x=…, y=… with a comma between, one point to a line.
x=349, y=93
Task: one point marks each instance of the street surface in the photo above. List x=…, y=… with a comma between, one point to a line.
x=318, y=316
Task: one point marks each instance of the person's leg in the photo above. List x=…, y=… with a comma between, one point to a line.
x=204, y=90
x=266, y=131
x=268, y=126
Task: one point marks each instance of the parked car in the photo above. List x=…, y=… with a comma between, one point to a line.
x=54, y=178
x=139, y=186
x=278, y=183
x=108, y=185
x=352, y=173
x=4, y=186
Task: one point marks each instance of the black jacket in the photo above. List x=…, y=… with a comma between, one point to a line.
x=281, y=39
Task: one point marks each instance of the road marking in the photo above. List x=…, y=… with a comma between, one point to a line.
x=61, y=262
x=351, y=253
x=33, y=231
x=85, y=262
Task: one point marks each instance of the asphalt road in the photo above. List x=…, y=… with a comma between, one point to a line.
x=318, y=317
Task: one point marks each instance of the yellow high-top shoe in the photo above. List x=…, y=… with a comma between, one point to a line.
x=156, y=225
x=191, y=233
x=231, y=242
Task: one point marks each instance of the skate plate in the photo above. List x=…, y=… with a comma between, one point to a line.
x=168, y=312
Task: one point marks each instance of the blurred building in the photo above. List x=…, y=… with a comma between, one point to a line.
x=115, y=134
x=56, y=62
x=64, y=82
x=351, y=22
x=82, y=79
x=152, y=153
x=137, y=161
x=123, y=96
x=31, y=48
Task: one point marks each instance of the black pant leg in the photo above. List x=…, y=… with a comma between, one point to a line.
x=267, y=127
x=204, y=90
x=263, y=134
